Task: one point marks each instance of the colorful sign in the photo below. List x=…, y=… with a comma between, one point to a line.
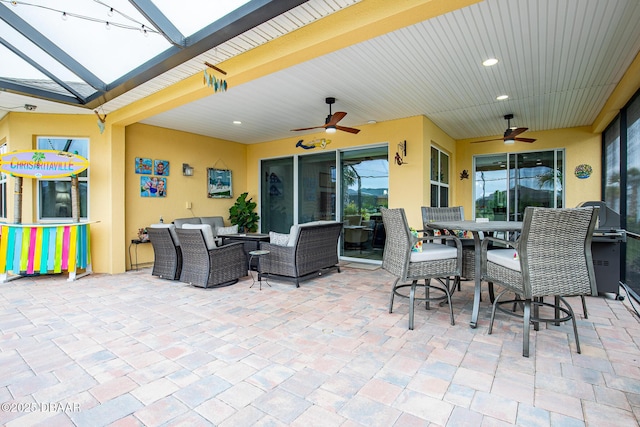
x=42, y=163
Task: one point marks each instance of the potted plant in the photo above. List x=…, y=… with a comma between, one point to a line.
x=143, y=236
x=242, y=214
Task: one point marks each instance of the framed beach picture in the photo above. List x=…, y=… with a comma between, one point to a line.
x=153, y=186
x=219, y=183
x=143, y=165
x=161, y=167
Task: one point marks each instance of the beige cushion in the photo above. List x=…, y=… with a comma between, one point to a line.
x=293, y=235
x=179, y=222
x=224, y=231
x=213, y=221
x=504, y=257
x=172, y=230
x=207, y=232
x=278, y=239
x=434, y=252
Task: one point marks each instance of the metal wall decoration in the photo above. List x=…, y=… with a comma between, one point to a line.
x=401, y=153
x=318, y=142
x=583, y=171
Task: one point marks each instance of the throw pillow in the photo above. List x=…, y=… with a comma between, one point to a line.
x=461, y=234
x=418, y=246
x=278, y=239
x=224, y=231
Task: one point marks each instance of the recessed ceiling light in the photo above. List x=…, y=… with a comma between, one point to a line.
x=489, y=62
x=502, y=97
x=237, y=122
x=371, y=122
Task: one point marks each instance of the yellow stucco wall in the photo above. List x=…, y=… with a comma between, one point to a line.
x=580, y=144
x=177, y=147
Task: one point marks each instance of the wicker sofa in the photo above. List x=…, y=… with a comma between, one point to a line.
x=307, y=251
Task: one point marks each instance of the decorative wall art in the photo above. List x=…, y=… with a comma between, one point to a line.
x=153, y=186
x=219, y=185
x=161, y=167
x=143, y=165
x=583, y=171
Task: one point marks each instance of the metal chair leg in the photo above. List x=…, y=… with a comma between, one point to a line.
x=526, y=327
x=412, y=296
x=584, y=307
x=393, y=293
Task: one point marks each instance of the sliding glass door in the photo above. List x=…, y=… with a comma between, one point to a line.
x=317, y=187
x=505, y=184
x=276, y=198
x=348, y=186
x=364, y=189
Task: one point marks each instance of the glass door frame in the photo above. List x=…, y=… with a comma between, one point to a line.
x=338, y=187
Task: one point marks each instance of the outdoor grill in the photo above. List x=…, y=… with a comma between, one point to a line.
x=605, y=248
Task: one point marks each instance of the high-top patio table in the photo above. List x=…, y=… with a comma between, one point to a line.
x=476, y=228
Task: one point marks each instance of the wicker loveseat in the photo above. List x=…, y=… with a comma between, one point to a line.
x=213, y=221
x=306, y=252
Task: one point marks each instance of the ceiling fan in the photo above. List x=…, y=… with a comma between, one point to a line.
x=331, y=122
x=510, y=135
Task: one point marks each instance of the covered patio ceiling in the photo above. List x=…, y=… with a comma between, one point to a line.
x=559, y=61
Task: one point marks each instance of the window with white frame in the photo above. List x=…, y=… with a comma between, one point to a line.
x=439, y=178
x=54, y=195
x=3, y=187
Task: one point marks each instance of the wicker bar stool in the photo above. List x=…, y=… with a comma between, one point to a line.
x=551, y=258
x=440, y=262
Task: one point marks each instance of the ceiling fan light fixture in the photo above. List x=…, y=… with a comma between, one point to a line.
x=510, y=141
x=330, y=129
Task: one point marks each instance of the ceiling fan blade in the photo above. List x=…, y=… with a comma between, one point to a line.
x=515, y=132
x=336, y=117
x=525, y=139
x=315, y=127
x=347, y=129
x=487, y=140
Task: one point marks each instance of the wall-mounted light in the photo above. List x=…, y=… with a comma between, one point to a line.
x=401, y=153
x=187, y=170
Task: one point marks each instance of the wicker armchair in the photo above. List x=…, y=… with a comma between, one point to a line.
x=167, y=254
x=553, y=259
x=436, y=261
x=314, y=251
x=207, y=265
